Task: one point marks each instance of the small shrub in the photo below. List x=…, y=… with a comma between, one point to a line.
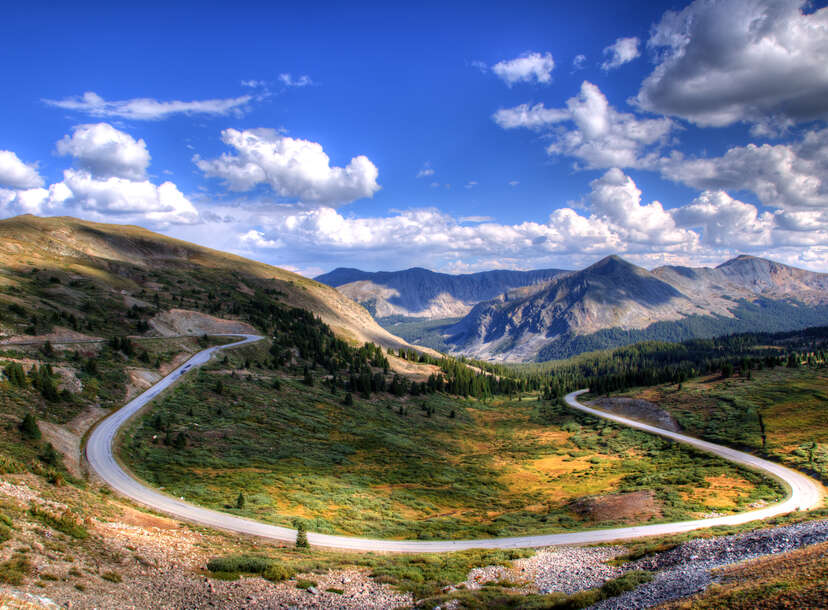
x=305, y=584
x=112, y=577
x=626, y=582
x=336, y=591
x=5, y=533
x=14, y=570
x=278, y=573
x=225, y=575
x=245, y=564
x=67, y=523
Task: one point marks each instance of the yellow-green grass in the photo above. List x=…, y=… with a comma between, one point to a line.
x=383, y=467
x=793, y=404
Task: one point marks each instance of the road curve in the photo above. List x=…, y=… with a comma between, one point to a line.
x=804, y=494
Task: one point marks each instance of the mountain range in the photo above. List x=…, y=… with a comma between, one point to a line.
x=556, y=314
x=421, y=293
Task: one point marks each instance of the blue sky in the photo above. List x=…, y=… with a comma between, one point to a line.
x=458, y=137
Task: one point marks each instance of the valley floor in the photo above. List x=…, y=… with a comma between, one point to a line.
x=429, y=467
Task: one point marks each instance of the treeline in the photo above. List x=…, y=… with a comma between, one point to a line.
x=42, y=378
x=653, y=363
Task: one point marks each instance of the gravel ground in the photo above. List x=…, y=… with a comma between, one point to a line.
x=686, y=569
x=563, y=569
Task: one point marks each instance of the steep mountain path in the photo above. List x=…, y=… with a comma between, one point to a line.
x=804, y=492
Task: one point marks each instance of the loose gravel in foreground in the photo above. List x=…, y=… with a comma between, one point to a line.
x=555, y=569
x=685, y=570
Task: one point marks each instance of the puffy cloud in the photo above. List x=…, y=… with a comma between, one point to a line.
x=790, y=176
x=730, y=224
x=578, y=62
x=622, y=51
x=257, y=239
x=106, y=151
x=34, y=200
x=293, y=168
x=616, y=199
x=288, y=80
x=618, y=223
x=601, y=136
x=529, y=67
x=740, y=60
x=148, y=109
x=709, y=229
x=124, y=197
x=16, y=174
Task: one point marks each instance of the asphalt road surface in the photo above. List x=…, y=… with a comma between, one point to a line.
x=804, y=492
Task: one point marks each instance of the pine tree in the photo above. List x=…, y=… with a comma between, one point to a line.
x=349, y=400
x=49, y=455
x=28, y=427
x=240, y=501
x=301, y=536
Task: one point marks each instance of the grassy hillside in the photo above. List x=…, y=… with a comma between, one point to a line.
x=111, y=279
x=430, y=466
x=792, y=403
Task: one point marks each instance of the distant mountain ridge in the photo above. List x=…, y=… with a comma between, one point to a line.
x=614, y=302
x=418, y=292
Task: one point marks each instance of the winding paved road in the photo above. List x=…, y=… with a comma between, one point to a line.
x=805, y=493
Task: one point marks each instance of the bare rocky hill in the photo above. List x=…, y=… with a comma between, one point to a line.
x=614, y=302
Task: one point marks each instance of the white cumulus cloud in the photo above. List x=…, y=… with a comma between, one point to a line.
x=600, y=136
x=731, y=224
x=113, y=196
x=622, y=51
x=616, y=199
x=106, y=151
x=790, y=176
x=740, y=60
x=293, y=168
x=529, y=67
x=16, y=174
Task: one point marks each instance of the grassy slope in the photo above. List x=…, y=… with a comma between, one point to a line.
x=793, y=404
x=93, y=263
x=497, y=469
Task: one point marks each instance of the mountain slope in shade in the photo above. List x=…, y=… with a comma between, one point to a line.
x=422, y=293
x=45, y=261
x=614, y=302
